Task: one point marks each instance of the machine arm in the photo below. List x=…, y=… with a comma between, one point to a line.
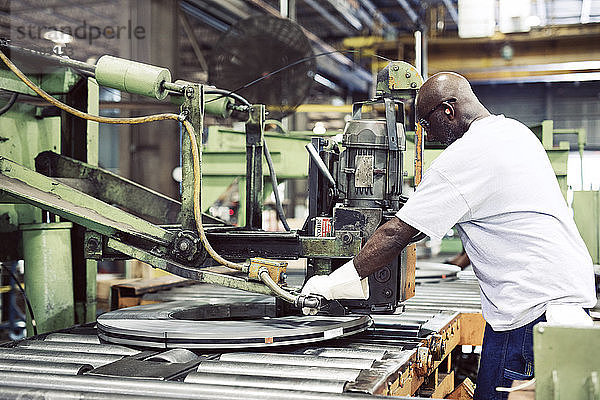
x=124, y=233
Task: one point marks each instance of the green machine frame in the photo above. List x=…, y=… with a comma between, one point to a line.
x=567, y=362
x=116, y=218
x=35, y=236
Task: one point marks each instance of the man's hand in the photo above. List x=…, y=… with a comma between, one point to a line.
x=343, y=283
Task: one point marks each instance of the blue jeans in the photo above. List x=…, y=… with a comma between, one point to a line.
x=506, y=356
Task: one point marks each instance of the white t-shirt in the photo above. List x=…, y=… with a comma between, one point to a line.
x=497, y=186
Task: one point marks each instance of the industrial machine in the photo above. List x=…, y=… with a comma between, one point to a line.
x=354, y=188
x=365, y=182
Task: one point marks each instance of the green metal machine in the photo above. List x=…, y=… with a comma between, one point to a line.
x=224, y=157
x=115, y=218
x=28, y=233
x=559, y=155
x=567, y=362
x=586, y=212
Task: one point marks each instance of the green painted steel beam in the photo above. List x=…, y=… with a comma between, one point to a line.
x=60, y=199
x=187, y=272
x=109, y=187
x=49, y=275
x=57, y=81
x=344, y=245
x=586, y=213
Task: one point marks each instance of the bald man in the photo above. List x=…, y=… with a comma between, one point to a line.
x=495, y=183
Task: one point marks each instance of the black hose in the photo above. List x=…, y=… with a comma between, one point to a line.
x=35, y=332
x=227, y=93
x=10, y=103
x=274, y=183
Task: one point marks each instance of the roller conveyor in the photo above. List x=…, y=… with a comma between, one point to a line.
x=392, y=357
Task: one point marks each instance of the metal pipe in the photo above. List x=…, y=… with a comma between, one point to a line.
x=78, y=347
x=18, y=393
x=367, y=354
x=418, y=52
x=72, y=338
x=173, y=87
x=44, y=367
x=298, y=359
x=263, y=273
x=268, y=382
x=49, y=277
x=265, y=369
x=96, y=360
x=314, y=155
x=300, y=301
x=66, y=62
x=162, y=389
x=275, y=184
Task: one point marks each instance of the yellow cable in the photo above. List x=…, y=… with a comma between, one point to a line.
x=138, y=120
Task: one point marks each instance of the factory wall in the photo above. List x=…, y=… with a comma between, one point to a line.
x=570, y=105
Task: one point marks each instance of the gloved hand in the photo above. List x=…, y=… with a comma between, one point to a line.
x=343, y=283
x=566, y=314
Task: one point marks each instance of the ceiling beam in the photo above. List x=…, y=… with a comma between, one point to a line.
x=348, y=13
x=451, y=10
x=189, y=31
x=377, y=14
x=328, y=16
x=409, y=11
x=204, y=17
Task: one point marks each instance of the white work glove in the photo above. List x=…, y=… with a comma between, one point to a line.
x=565, y=314
x=343, y=283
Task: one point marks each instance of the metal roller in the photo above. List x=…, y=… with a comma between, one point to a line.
x=44, y=367
x=162, y=389
x=95, y=360
x=299, y=359
x=22, y=393
x=368, y=354
x=291, y=371
x=78, y=347
x=132, y=77
x=269, y=382
x=72, y=338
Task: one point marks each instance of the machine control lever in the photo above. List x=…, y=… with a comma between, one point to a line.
x=314, y=155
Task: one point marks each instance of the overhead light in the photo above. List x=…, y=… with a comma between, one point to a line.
x=507, y=52
x=58, y=37
x=177, y=174
x=319, y=128
x=60, y=40
x=533, y=20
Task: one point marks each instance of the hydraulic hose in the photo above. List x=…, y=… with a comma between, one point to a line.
x=10, y=103
x=273, y=175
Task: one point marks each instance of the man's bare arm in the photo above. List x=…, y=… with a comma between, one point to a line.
x=384, y=246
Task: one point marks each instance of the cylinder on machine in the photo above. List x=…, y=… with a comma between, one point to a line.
x=132, y=77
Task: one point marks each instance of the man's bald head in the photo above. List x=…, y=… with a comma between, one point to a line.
x=447, y=106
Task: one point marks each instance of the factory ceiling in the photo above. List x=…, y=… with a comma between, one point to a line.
x=327, y=23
